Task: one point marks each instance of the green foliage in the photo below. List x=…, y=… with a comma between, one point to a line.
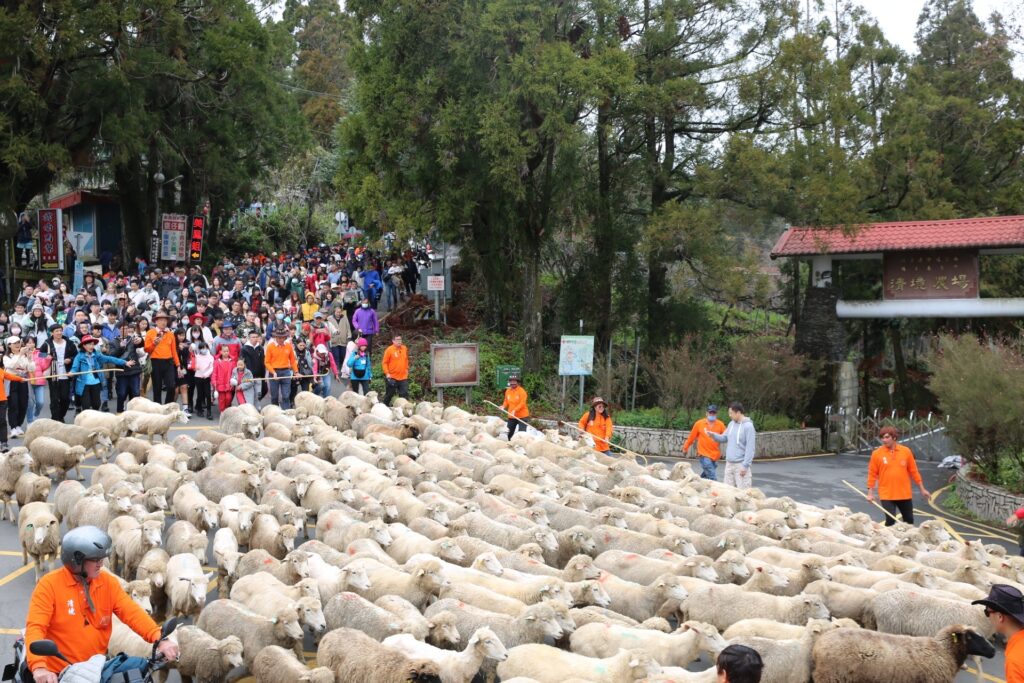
x=980, y=387
x=656, y=418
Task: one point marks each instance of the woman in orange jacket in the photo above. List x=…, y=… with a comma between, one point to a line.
x=598, y=423
x=515, y=405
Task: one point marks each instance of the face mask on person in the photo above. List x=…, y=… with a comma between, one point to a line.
x=15, y=329
x=365, y=305
x=712, y=418
x=279, y=316
x=204, y=352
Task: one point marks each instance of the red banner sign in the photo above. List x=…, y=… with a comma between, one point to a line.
x=196, y=236
x=951, y=274
x=51, y=239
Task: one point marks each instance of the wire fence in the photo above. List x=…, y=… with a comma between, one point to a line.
x=857, y=432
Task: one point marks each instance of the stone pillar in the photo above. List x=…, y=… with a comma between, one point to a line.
x=847, y=393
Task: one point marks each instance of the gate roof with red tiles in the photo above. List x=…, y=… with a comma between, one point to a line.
x=1000, y=232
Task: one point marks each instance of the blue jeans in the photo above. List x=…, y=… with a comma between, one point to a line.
x=323, y=389
x=117, y=665
x=36, y=398
x=707, y=468
x=281, y=389
x=392, y=293
x=127, y=388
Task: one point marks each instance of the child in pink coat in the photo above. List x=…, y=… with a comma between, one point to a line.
x=222, y=369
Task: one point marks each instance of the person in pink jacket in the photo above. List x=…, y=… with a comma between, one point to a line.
x=326, y=369
x=222, y=370
x=202, y=364
x=37, y=386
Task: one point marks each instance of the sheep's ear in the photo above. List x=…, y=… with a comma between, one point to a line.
x=690, y=563
x=213, y=647
x=476, y=639
x=759, y=569
x=273, y=620
x=421, y=572
x=633, y=663
x=531, y=618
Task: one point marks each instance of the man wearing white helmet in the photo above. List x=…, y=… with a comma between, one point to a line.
x=74, y=606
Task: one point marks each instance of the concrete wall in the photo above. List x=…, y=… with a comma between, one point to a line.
x=988, y=502
x=670, y=441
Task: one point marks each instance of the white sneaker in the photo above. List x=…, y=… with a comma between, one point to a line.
x=17, y=432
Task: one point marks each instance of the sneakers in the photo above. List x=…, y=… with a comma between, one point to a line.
x=17, y=431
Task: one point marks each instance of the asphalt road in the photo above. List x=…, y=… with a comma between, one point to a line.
x=818, y=480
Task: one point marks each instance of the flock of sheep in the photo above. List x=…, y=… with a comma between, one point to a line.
x=415, y=543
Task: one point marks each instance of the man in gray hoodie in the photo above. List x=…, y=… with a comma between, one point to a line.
x=739, y=441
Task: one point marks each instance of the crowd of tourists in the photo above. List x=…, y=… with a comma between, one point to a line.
x=262, y=327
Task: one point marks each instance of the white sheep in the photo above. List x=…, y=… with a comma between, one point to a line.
x=52, y=454
x=98, y=511
x=536, y=622
x=671, y=649
x=94, y=440
x=39, y=534
x=787, y=660
x=349, y=610
x=190, y=504
x=113, y=425
x=354, y=657
x=411, y=620
x=31, y=488
x=204, y=658
x=274, y=664
x=131, y=540
x=152, y=425
x=639, y=601
x=270, y=535
x=551, y=665
x=914, y=613
x=227, y=556
x=238, y=420
x=293, y=568
x=141, y=404
x=722, y=606
x=186, y=585
x=454, y=667
x=184, y=537
x=222, y=618
x=12, y=466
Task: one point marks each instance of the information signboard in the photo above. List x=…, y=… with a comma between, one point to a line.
x=435, y=283
x=196, y=238
x=173, y=237
x=503, y=373
x=576, y=355
x=454, y=365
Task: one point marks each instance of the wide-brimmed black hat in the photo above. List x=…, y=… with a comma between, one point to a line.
x=1005, y=599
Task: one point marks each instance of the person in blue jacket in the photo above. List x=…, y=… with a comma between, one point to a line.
x=372, y=285
x=361, y=370
x=88, y=361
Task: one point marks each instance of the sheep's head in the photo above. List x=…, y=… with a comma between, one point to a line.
x=449, y=551
x=545, y=538
x=582, y=541
x=542, y=616
x=531, y=551
x=709, y=639
x=430, y=576
x=641, y=665
x=701, y=568
x=815, y=569
x=42, y=527
x=580, y=568
x=488, y=644
x=286, y=625
x=140, y=592
x=670, y=587
x=443, y=629
x=230, y=650
x=152, y=533
x=311, y=614
x=730, y=565
x=488, y=563
x=812, y=607
x=595, y=594
x=156, y=498
x=611, y=517
x=438, y=513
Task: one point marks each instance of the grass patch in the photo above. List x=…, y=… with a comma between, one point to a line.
x=951, y=502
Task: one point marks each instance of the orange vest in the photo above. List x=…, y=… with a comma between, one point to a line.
x=167, y=349
x=58, y=611
x=515, y=402
x=600, y=428
x=277, y=356
x=396, y=362
x=893, y=470
x=1015, y=658
x=706, y=446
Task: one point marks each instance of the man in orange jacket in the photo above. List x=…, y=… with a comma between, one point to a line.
x=396, y=370
x=892, y=466
x=74, y=607
x=708, y=450
x=515, y=405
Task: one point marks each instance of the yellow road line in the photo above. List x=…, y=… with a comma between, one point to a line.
x=984, y=675
x=760, y=461
x=17, y=572
x=10, y=553
x=963, y=521
x=10, y=631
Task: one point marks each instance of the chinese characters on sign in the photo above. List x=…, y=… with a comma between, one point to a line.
x=51, y=239
x=576, y=355
x=195, y=240
x=931, y=275
x=173, y=237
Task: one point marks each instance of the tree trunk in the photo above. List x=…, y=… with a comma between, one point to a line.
x=533, y=328
x=604, y=231
x=896, y=338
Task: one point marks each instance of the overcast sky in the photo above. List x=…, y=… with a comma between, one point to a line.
x=898, y=18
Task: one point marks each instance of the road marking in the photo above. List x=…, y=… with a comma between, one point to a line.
x=966, y=522
x=16, y=573
x=984, y=675
x=760, y=461
x=10, y=631
x=10, y=553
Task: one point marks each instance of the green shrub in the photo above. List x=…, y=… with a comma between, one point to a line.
x=980, y=387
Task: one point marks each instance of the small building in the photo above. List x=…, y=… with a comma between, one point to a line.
x=930, y=268
x=92, y=221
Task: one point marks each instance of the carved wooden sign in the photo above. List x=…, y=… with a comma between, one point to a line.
x=948, y=274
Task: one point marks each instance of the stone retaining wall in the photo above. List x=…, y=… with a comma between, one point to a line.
x=670, y=441
x=988, y=502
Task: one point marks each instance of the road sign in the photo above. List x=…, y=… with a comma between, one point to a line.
x=435, y=283
x=51, y=239
x=503, y=372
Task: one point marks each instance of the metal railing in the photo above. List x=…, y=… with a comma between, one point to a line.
x=858, y=432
